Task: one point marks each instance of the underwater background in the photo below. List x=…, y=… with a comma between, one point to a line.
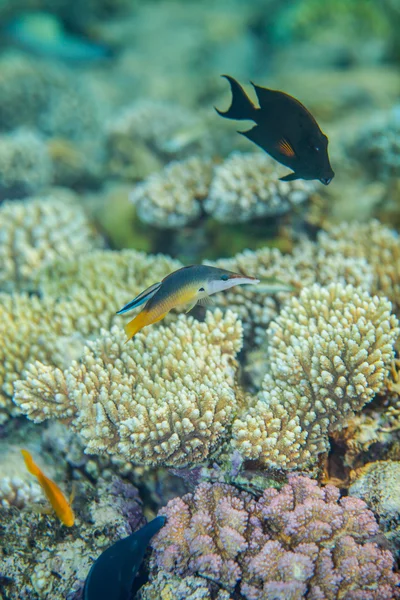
x=264, y=427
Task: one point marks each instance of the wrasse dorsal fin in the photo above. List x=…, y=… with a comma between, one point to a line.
x=140, y=299
x=286, y=148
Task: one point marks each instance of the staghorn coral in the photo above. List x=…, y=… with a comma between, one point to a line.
x=377, y=146
x=328, y=351
x=247, y=186
x=166, y=398
x=303, y=541
x=172, y=198
x=145, y=136
x=34, y=232
x=25, y=166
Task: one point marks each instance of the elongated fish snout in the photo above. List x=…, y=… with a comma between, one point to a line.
x=326, y=180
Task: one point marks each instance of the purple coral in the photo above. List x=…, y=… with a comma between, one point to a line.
x=302, y=541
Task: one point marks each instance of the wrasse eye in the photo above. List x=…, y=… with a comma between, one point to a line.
x=201, y=290
x=224, y=277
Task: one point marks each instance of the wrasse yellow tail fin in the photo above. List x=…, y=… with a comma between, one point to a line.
x=30, y=464
x=141, y=320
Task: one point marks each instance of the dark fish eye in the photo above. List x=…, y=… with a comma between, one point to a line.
x=224, y=277
x=317, y=148
x=201, y=290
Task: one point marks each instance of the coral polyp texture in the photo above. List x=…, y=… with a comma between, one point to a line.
x=145, y=136
x=300, y=542
x=377, y=484
x=25, y=165
x=366, y=255
x=378, y=146
x=328, y=353
x=167, y=398
x=172, y=198
x=37, y=231
x=243, y=187
x=247, y=186
x=375, y=243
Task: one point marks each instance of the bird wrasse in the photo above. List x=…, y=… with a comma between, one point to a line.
x=187, y=285
x=59, y=503
x=285, y=129
x=112, y=574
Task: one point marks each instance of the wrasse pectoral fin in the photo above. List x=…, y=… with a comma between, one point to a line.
x=285, y=148
x=206, y=301
x=140, y=299
x=190, y=307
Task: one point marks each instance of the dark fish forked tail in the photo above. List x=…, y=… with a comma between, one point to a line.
x=241, y=107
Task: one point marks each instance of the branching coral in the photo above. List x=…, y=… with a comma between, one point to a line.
x=378, y=146
x=328, y=351
x=145, y=136
x=53, y=330
x=300, y=542
x=25, y=166
x=172, y=198
x=34, y=232
x=374, y=243
x=167, y=398
x=247, y=186
x=365, y=255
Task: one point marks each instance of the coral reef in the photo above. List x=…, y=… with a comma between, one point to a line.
x=35, y=232
x=53, y=330
x=172, y=198
x=167, y=398
x=328, y=351
x=58, y=103
x=145, y=136
x=374, y=243
x=242, y=188
x=377, y=484
x=300, y=540
x=247, y=186
x=25, y=165
x=377, y=146
x=365, y=255
x=61, y=560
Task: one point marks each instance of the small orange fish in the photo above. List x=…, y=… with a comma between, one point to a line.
x=58, y=501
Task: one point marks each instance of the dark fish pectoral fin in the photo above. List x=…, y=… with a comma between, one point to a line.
x=241, y=107
x=290, y=177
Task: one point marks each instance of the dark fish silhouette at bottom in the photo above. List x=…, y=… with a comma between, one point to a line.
x=285, y=129
x=111, y=576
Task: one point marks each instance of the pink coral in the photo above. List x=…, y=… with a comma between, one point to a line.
x=301, y=541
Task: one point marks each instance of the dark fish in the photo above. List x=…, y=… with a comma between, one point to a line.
x=111, y=576
x=285, y=129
